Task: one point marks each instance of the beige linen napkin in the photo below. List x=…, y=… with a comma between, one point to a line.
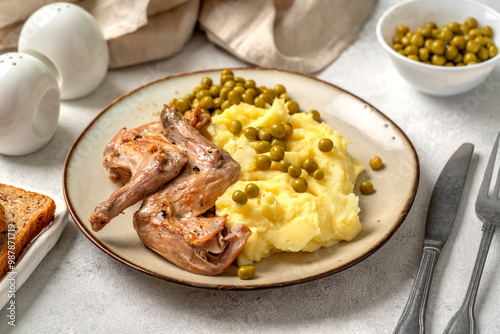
x=137, y=31
x=167, y=30
x=300, y=35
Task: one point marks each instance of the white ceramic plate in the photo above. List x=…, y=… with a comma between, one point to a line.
x=35, y=251
x=86, y=182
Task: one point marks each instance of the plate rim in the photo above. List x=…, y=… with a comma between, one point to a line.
x=243, y=287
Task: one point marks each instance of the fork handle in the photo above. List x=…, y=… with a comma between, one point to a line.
x=412, y=319
x=463, y=321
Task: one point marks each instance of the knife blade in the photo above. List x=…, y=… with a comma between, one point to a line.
x=441, y=214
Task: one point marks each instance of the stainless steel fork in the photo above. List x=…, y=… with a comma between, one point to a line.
x=488, y=210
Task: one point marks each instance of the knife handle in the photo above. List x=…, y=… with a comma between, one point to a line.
x=412, y=319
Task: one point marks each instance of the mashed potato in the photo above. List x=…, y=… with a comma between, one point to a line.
x=281, y=219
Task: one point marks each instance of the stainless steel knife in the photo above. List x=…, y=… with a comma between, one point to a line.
x=443, y=206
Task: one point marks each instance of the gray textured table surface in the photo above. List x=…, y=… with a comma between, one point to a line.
x=79, y=289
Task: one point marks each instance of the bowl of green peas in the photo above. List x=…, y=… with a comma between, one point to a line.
x=441, y=47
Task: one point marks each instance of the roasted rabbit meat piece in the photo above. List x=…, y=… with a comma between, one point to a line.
x=175, y=221
x=143, y=160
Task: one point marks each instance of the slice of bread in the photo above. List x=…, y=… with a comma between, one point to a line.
x=26, y=215
x=3, y=223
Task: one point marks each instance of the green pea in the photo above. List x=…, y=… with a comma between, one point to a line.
x=198, y=88
x=458, y=58
x=482, y=53
x=459, y=42
x=227, y=71
x=271, y=93
x=294, y=171
x=288, y=132
x=285, y=97
x=226, y=104
x=410, y=50
x=366, y=187
x=472, y=46
x=251, y=133
x=268, y=98
x=278, y=130
x=469, y=57
x=319, y=174
x=265, y=134
x=292, y=106
x=375, y=162
x=240, y=197
x=430, y=25
x=454, y=27
x=428, y=44
x=182, y=105
x=402, y=29
x=207, y=102
x=480, y=40
x=235, y=127
x=310, y=165
x=206, y=81
x=446, y=35
x=283, y=166
x=263, y=162
x=201, y=93
x=246, y=272
x=470, y=22
x=223, y=92
x=263, y=146
x=492, y=51
x=299, y=185
x=451, y=52
x=259, y=102
x=217, y=102
x=417, y=40
x=397, y=39
x=278, y=142
x=234, y=97
x=279, y=89
x=251, y=92
x=250, y=83
x=325, y=145
x=215, y=90
x=487, y=31
x=230, y=83
x=438, y=60
x=247, y=98
x=397, y=47
x=239, y=89
x=315, y=115
x=225, y=78
x=252, y=190
x=277, y=153
x=438, y=47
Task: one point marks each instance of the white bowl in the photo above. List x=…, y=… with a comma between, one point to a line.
x=432, y=79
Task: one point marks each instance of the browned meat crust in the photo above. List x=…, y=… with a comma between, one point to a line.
x=179, y=174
